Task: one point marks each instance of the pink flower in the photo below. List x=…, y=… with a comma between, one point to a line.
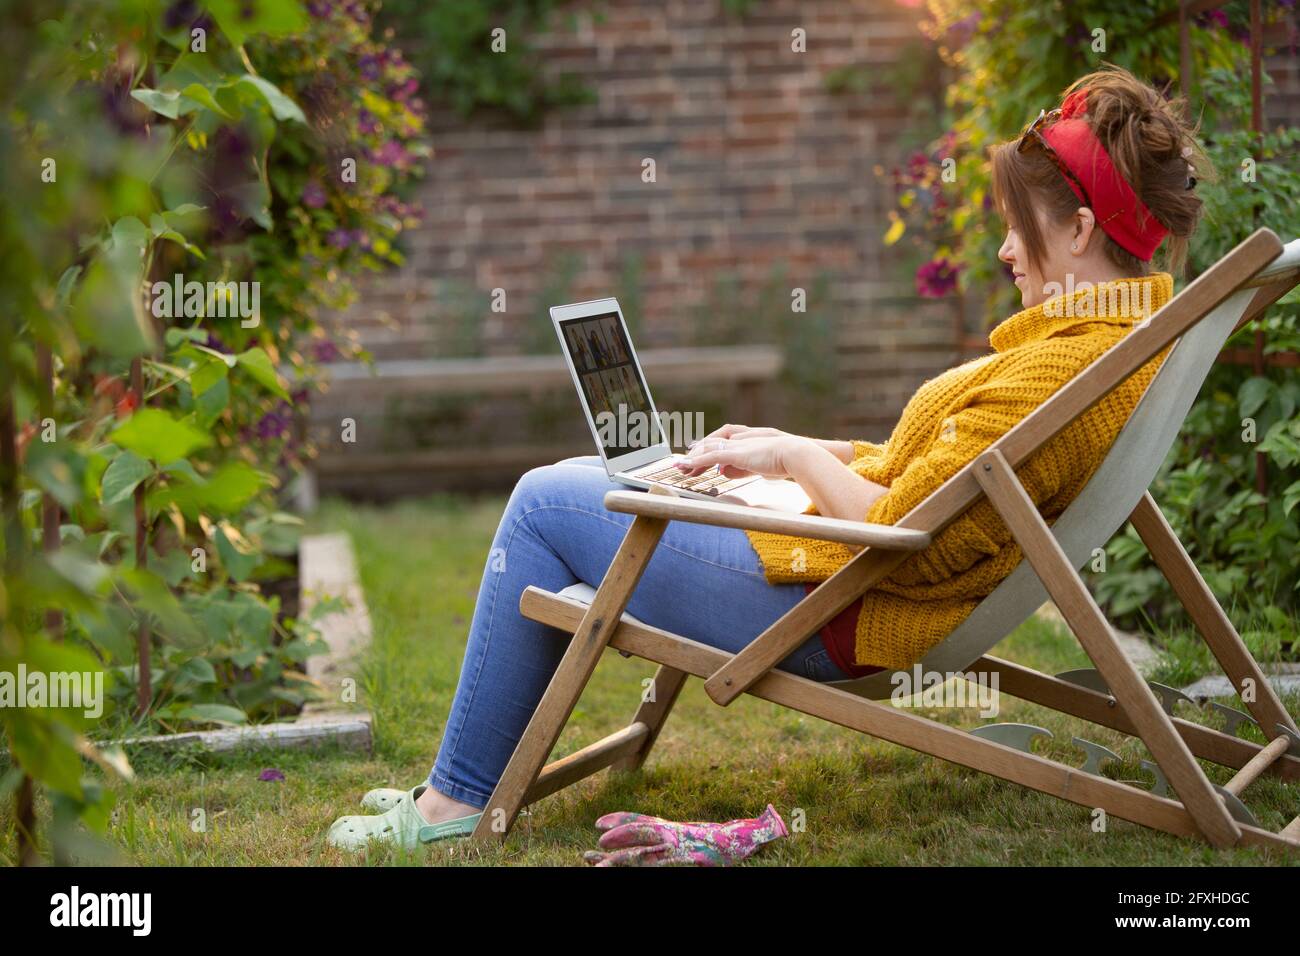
x=391, y=154
x=937, y=278
x=313, y=194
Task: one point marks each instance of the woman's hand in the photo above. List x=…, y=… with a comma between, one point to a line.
x=843, y=450
x=762, y=451
x=741, y=431
x=817, y=466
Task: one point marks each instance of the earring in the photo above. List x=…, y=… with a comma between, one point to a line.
x=1074, y=247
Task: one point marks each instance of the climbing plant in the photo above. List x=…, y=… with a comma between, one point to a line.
x=184, y=189
x=481, y=55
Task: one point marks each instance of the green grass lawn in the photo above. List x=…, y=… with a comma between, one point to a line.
x=864, y=801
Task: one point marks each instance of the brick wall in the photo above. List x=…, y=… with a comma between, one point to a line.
x=759, y=169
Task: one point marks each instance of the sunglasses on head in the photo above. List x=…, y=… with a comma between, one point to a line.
x=1033, y=133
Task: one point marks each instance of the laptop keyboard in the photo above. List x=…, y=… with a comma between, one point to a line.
x=710, y=482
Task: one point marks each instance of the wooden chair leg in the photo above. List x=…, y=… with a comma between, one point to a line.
x=665, y=687
x=1224, y=642
x=575, y=669
x=1023, y=682
x=1090, y=626
x=898, y=726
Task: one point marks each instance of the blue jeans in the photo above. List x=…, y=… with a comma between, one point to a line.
x=703, y=582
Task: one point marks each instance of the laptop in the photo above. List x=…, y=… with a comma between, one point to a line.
x=620, y=409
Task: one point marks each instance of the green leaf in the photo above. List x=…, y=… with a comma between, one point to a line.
x=257, y=363
x=197, y=670
x=67, y=282
x=200, y=95
x=175, y=103
x=151, y=595
x=125, y=472
x=240, y=19
x=230, y=360
x=1252, y=395
x=239, y=564
x=162, y=230
x=173, y=567
x=175, y=336
x=58, y=469
x=278, y=533
x=214, y=714
x=107, y=310
x=44, y=749
x=282, y=108
x=210, y=405
x=109, y=627
x=166, y=104
x=207, y=374
x=1290, y=497
x=153, y=433
x=186, y=470
x=89, y=577
x=225, y=492
x=131, y=232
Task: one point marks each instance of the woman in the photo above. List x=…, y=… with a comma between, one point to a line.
x=1088, y=194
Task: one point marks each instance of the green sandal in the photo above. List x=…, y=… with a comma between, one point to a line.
x=402, y=824
x=382, y=799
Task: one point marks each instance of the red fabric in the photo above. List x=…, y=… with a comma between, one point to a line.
x=1120, y=212
x=840, y=638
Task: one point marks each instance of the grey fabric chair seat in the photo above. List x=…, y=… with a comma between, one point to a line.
x=1108, y=498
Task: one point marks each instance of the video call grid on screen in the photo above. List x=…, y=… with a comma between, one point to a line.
x=602, y=357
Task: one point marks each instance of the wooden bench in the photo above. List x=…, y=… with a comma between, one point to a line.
x=365, y=393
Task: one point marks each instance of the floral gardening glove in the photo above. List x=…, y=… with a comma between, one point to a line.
x=636, y=839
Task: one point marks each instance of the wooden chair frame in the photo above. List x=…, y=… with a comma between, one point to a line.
x=1130, y=707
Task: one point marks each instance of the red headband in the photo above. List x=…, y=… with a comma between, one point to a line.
x=1120, y=212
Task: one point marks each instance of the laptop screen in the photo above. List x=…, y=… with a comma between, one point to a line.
x=611, y=383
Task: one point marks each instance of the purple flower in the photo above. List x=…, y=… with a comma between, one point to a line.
x=917, y=165
x=179, y=14
x=1218, y=20
x=320, y=9
x=390, y=154
x=1079, y=33
x=357, y=12
x=404, y=91
x=367, y=123
x=313, y=194
x=271, y=775
x=339, y=238
x=937, y=278
x=368, y=66
x=959, y=33
x=276, y=423
x=324, y=351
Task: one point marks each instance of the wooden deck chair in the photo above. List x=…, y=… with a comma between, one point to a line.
x=1235, y=290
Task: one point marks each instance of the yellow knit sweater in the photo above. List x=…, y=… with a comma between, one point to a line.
x=945, y=425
